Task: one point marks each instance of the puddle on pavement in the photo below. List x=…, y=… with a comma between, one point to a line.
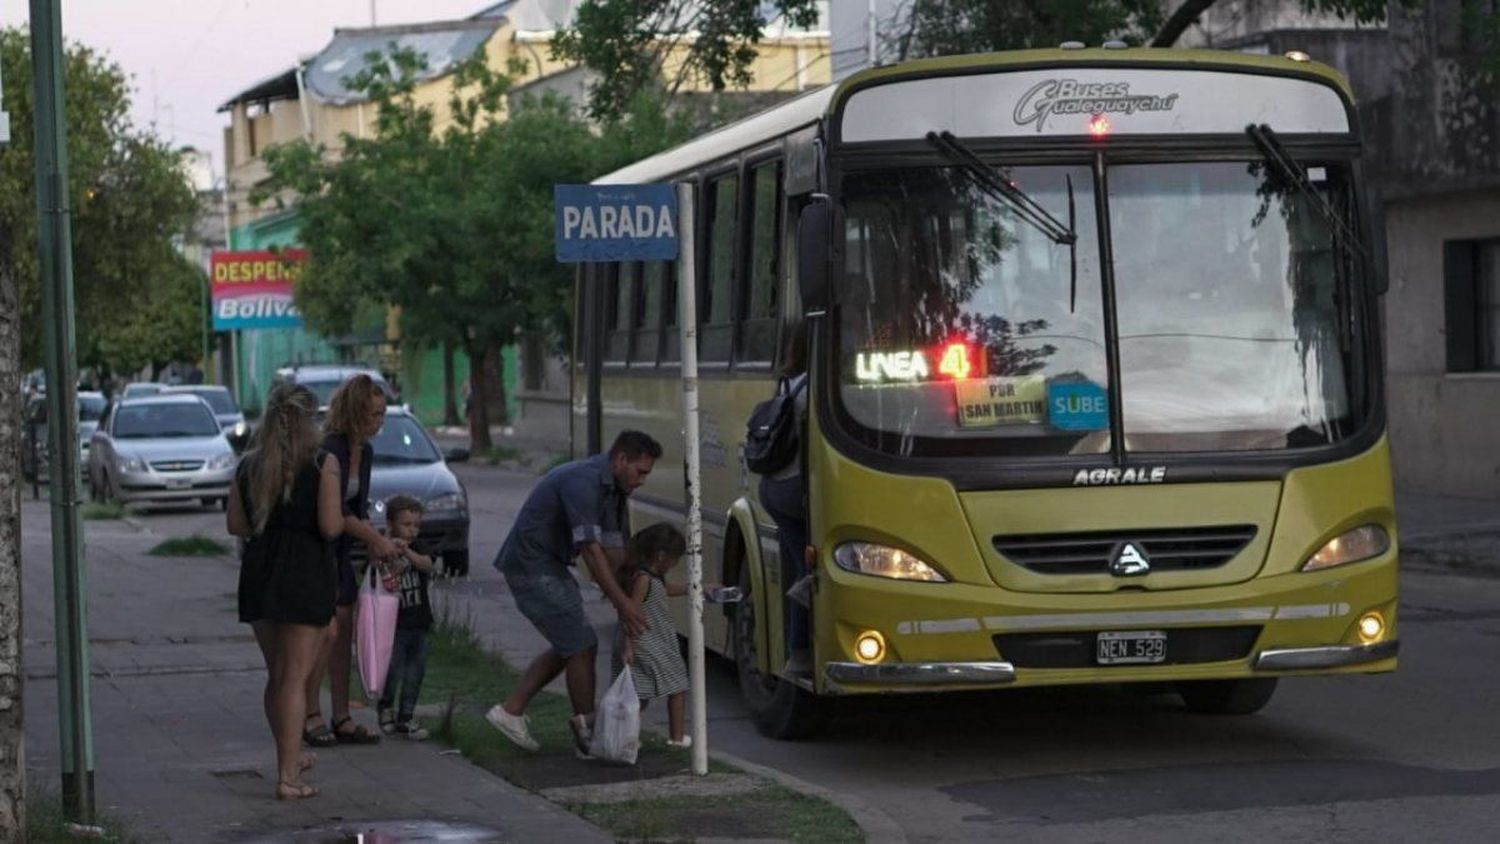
x=387, y=832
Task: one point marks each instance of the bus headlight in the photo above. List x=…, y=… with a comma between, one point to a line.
x=1362, y=543
x=884, y=561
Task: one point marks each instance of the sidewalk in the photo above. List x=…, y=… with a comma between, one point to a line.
x=182, y=751
x=1461, y=534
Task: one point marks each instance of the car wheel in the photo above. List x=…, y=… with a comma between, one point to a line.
x=456, y=562
x=1227, y=697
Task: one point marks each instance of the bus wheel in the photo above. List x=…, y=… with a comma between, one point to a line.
x=1227, y=697
x=780, y=710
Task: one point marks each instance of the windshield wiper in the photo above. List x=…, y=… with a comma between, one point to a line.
x=997, y=185
x=1289, y=170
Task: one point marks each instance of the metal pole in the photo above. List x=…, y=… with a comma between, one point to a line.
x=55, y=259
x=687, y=321
x=872, y=46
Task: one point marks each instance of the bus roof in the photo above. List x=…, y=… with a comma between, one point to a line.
x=806, y=109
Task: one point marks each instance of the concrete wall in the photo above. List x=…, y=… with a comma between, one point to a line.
x=1443, y=429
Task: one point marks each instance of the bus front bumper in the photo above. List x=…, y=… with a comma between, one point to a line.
x=936, y=675
x=955, y=636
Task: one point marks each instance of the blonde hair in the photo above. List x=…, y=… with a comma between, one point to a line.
x=348, y=410
x=286, y=441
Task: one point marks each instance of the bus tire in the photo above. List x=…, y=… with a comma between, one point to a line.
x=780, y=710
x=1227, y=697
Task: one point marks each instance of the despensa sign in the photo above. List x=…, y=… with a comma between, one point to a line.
x=1117, y=477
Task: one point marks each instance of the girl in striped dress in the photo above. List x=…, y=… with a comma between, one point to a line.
x=653, y=656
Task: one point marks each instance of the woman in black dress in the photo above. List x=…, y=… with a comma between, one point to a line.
x=285, y=504
x=355, y=415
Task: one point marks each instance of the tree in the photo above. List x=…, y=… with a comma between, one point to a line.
x=922, y=28
x=130, y=199
x=454, y=226
x=633, y=45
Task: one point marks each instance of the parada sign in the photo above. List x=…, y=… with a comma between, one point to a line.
x=615, y=222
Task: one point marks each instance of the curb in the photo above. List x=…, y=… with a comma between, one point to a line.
x=877, y=826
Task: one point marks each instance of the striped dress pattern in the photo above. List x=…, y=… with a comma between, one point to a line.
x=658, y=669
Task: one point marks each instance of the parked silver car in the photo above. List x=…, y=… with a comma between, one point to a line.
x=161, y=449
x=231, y=418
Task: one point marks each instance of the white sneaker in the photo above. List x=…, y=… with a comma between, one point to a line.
x=512, y=727
x=583, y=736
x=687, y=741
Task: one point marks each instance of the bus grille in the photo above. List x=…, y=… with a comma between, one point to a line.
x=1167, y=549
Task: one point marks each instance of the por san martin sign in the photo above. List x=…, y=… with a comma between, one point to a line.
x=615, y=222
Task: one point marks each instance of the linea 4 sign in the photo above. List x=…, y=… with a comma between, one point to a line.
x=615, y=222
x=253, y=289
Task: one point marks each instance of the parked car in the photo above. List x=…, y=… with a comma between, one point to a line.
x=161, y=449
x=34, y=454
x=323, y=379
x=138, y=389
x=408, y=462
x=231, y=418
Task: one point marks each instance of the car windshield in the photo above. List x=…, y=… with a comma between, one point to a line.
x=149, y=421
x=91, y=408
x=963, y=331
x=402, y=440
x=220, y=400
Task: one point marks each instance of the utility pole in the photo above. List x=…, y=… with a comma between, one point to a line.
x=55, y=260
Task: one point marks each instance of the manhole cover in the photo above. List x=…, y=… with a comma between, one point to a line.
x=239, y=775
x=386, y=832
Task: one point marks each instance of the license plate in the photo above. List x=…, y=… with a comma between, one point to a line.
x=1132, y=647
x=179, y=483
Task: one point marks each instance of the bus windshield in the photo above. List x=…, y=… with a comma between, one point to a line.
x=962, y=331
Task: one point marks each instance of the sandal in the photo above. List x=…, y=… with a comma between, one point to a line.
x=358, y=735
x=319, y=736
x=294, y=791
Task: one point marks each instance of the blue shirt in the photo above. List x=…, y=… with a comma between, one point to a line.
x=571, y=506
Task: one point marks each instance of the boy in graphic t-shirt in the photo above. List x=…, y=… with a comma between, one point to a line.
x=411, y=571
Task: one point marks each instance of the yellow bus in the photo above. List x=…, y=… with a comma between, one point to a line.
x=1095, y=377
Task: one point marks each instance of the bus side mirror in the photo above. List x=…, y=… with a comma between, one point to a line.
x=818, y=228
x=1378, y=263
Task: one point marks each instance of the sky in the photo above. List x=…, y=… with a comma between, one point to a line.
x=186, y=57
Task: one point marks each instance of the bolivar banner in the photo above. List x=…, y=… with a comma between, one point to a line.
x=254, y=289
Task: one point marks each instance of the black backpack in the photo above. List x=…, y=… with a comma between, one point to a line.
x=771, y=438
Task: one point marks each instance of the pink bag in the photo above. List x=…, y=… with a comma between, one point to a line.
x=375, y=631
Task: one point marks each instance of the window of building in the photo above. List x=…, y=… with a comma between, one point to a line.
x=758, y=325
x=717, y=306
x=1471, y=282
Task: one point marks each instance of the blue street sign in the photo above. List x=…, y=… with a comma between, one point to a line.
x=615, y=222
x=1078, y=406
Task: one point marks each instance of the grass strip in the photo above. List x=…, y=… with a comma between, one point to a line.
x=466, y=679
x=47, y=824
x=103, y=510
x=189, y=546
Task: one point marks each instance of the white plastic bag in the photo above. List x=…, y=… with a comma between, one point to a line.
x=617, y=726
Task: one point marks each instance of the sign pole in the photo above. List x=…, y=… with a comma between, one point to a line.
x=55, y=265
x=687, y=321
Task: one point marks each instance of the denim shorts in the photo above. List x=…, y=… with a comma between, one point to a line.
x=554, y=606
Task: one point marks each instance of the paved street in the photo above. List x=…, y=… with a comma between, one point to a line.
x=1410, y=755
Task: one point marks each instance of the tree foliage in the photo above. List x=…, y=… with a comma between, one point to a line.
x=136, y=297
x=633, y=45
x=449, y=216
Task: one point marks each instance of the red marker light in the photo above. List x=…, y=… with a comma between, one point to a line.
x=1099, y=126
x=955, y=361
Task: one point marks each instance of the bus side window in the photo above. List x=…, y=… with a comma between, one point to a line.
x=758, y=309
x=645, y=342
x=671, y=341
x=618, y=284
x=717, y=303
